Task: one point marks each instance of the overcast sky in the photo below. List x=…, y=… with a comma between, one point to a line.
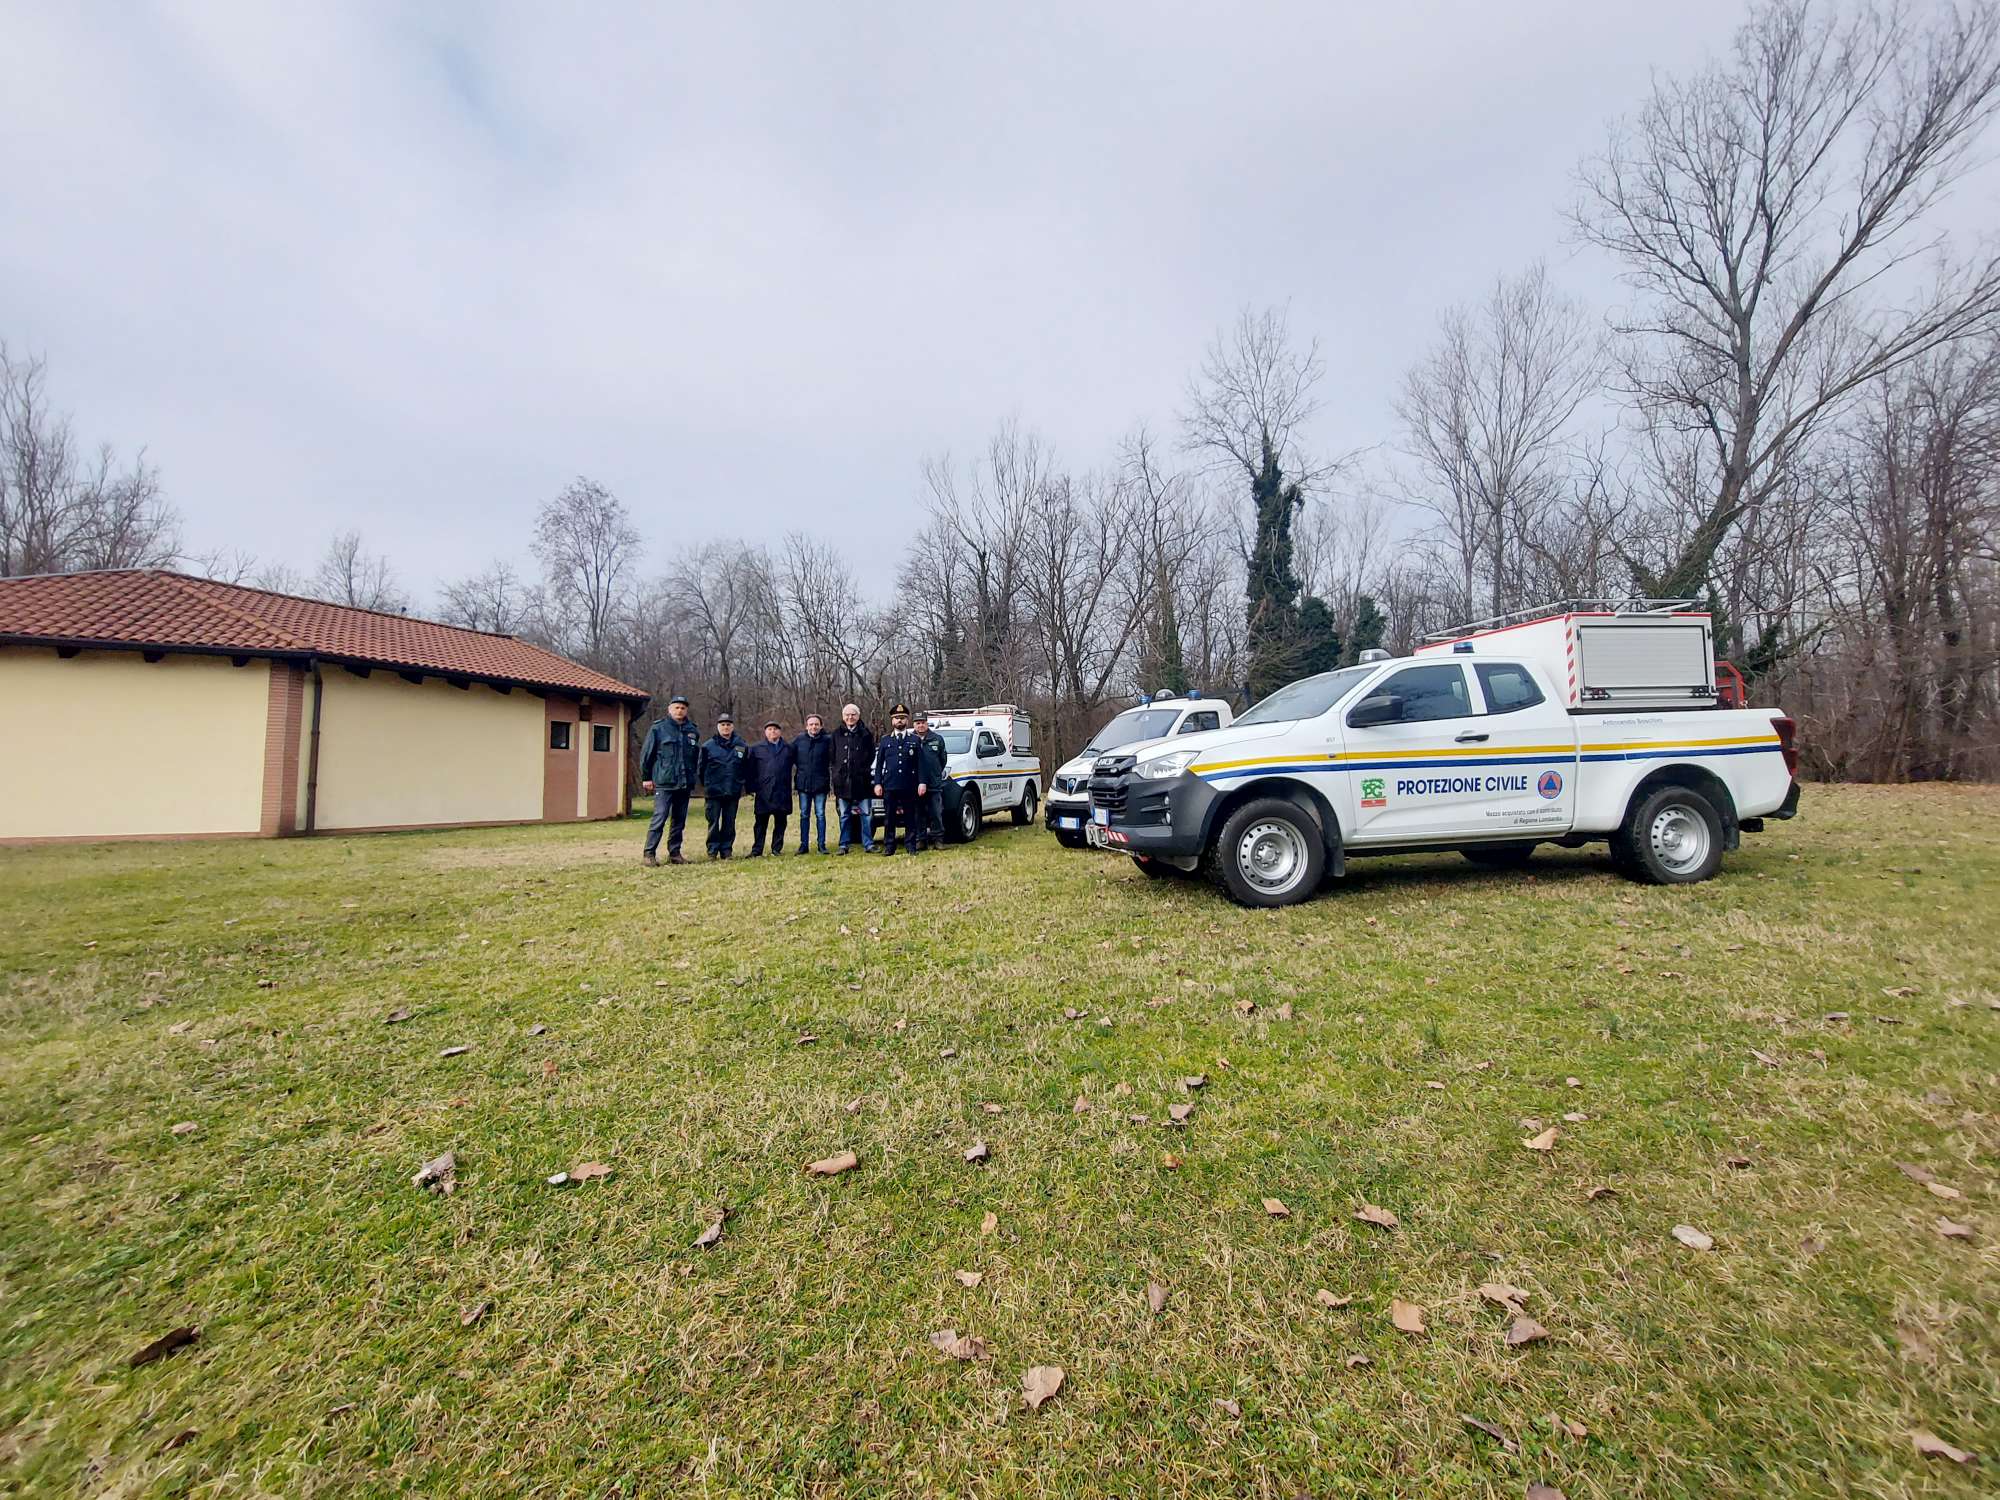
x=410, y=267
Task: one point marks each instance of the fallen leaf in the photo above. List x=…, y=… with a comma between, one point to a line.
x=1573, y=1083
x=1229, y=1406
x=1081, y=1107
x=1407, y=1316
x=1283, y=1012
x=806, y=1039
x=1900, y=991
x=1326, y=1299
x=1891, y=1021
x=1276, y=1209
x=977, y=1151
x=989, y=1224
x=1576, y=1117
x=1179, y=1113
x=1951, y=1229
x=180, y=1439
x=1193, y=1082
x=454, y=1052
x=438, y=1175
x=1123, y=1091
x=557, y=1179
x=1546, y=1141
x=1368, y=1213
x=948, y=1053
x=968, y=1279
x=1835, y=1016
x=959, y=1346
x=992, y=1109
x=1509, y=1297
x=1156, y=1297
x=1914, y=1172
x=1071, y=1013
x=474, y=1313
x=1595, y=1193
x=1246, y=1007
x=549, y=1069
x=833, y=1166
x=1540, y=1491
x=853, y=1106
x=1935, y=1189
x=1491, y=1431
x=165, y=1344
x=1764, y=1057
x=710, y=1237
x=538, y=1029
x=1737, y=1162
x=1040, y=1383
x=1568, y=1428
x=1932, y=1446
x=590, y=1171
x=1524, y=1330
x=186, y=1127
x=395, y=1016
x=180, y=1028
x=1693, y=1238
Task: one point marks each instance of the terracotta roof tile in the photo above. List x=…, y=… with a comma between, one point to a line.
x=151, y=607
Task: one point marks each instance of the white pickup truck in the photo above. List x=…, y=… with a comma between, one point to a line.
x=1159, y=716
x=1469, y=747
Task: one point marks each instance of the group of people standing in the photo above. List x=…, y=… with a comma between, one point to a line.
x=905, y=768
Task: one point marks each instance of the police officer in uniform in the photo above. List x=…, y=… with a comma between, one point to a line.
x=899, y=780
x=930, y=808
x=725, y=772
x=668, y=765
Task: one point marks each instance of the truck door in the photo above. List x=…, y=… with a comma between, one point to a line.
x=1414, y=748
x=989, y=757
x=1530, y=745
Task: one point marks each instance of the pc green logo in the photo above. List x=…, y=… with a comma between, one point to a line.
x=1373, y=791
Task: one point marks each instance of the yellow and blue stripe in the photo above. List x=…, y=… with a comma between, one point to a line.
x=1498, y=755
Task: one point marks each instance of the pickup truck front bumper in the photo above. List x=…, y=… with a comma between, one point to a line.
x=1165, y=817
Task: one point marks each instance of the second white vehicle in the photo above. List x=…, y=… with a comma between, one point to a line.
x=1159, y=717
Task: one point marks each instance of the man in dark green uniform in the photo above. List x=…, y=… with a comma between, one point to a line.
x=667, y=766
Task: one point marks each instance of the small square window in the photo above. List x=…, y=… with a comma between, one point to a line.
x=600, y=738
x=559, y=734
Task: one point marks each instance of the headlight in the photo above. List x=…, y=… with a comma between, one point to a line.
x=1161, y=767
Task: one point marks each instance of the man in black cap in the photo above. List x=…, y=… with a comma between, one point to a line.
x=930, y=808
x=725, y=771
x=771, y=765
x=899, y=779
x=668, y=763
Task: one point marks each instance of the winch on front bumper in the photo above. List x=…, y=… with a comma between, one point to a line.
x=1164, y=817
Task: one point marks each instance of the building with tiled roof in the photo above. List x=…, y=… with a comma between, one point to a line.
x=144, y=703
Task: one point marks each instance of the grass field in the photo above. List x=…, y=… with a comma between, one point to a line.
x=1437, y=1014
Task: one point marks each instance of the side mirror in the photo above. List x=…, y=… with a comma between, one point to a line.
x=989, y=752
x=1383, y=708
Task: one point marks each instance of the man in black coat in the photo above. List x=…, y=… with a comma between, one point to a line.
x=930, y=811
x=725, y=772
x=771, y=766
x=667, y=767
x=899, y=780
x=851, y=774
x=813, y=775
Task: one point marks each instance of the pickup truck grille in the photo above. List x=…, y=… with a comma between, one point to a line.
x=1107, y=782
x=1070, y=785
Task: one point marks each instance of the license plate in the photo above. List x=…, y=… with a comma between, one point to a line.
x=1069, y=822
x=1101, y=816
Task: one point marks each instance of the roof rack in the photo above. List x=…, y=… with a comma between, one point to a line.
x=1624, y=604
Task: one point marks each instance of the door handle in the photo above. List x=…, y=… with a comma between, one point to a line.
x=1468, y=738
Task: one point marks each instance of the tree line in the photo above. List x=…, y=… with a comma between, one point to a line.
x=1792, y=417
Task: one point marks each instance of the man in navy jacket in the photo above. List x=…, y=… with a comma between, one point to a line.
x=813, y=752
x=725, y=772
x=771, y=765
x=667, y=767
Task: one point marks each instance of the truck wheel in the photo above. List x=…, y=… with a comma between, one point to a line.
x=1673, y=837
x=1499, y=856
x=968, y=818
x=1024, y=810
x=1268, y=854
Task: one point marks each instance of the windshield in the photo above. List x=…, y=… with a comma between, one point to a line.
x=1307, y=698
x=956, y=741
x=1130, y=727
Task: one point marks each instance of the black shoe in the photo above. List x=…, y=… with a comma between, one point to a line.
x=756, y=854
x=888, y=851
x=675, y=858
x=650, y=861
x=841, y=850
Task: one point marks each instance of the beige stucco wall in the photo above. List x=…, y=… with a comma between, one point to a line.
x=393, y=753
x=106, y=743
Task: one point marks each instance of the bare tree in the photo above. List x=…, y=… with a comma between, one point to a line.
x=1756, y=203
x=348, y=573
x=495, y=600
x=62, y=511
x=1486, y=415
x=587, y=546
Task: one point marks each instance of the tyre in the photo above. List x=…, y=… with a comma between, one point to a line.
x=1673, y=837
x=969, y=818
x=1269, y=853
x=1024, y=810
x=1499, y=856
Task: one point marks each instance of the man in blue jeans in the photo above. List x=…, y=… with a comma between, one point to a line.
x=853, y=778
x=813, y=753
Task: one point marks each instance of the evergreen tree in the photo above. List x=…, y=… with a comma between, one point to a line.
x=1369, y=628
x=1273, y=592
x=1171, y=663
x=1319, y=638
